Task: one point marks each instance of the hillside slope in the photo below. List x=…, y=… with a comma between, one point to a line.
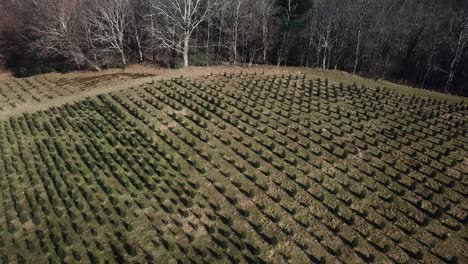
x=237, y=168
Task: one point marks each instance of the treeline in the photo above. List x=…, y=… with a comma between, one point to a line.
x=422, y=43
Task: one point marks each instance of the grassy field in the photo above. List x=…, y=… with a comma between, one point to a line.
x=235, y=167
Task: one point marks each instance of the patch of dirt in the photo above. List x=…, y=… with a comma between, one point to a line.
x=170, y=125
x=29, y=225
x=187, y=228
x=5, y=76
x=24, y=228
x=182, y=112
x=33, y=107
x=146, y=69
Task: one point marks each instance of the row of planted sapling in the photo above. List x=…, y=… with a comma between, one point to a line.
x=234, y=167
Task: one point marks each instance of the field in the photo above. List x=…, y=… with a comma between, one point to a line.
x=19, y=95
x=234, y=167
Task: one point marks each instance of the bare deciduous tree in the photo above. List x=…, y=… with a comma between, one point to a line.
x=287, y=13
x=266, y=9
x=421, y=43
x=362, y=7
x=137, y=26
x=57, y=30
x=459, y=30
x=236, y=11
x=110, y=19
x=177, y=20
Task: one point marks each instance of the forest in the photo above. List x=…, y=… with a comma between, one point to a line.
x=420, y=43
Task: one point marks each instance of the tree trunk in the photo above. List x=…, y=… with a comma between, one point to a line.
x=234, y=44
x=324, y=62
x=356, y=55
x=153, y=51
x=124, y=60
x=385, y=67
x=363, y=6
x=309, y=42
x=280, y=51
x=140, y=51
x=207, y=45
x=96, y=67
x=453, y=66
x=138, y=41
x=265, y=39
x=92, y=64
x=195, y=47
x=286, y=52
x=317, y=52
x=428, y=69
x=218, y=48
x=186, y=51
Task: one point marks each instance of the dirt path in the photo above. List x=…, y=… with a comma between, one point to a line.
x=35, y=106
x=160, y=74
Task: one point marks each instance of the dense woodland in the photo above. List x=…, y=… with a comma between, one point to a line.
x=422, y=43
